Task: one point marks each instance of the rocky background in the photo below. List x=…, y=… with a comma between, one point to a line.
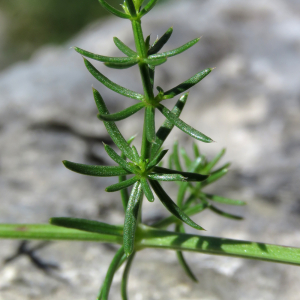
x=249, y=104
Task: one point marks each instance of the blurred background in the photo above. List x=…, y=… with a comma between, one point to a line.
x=249, y=104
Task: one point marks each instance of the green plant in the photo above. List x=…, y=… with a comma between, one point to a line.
x=146, y=172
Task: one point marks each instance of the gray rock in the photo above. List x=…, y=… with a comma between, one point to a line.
x=249, y=104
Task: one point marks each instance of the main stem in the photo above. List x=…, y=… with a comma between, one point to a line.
x=147, y=86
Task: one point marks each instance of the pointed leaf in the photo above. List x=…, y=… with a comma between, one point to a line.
x=150, y=123
x=131, y=7
x=213, y=162
x=183, y=126
x=186, y=84
x=147, y=190
x=155, y=61
x=176, y=157
x=121, y=115
x=224, y=214
x=157, y=159
x=114, y=11
x=118, y=159
x=167, y=177
x=160, y=42
x=125, y=277
x=167, y=126
x=181, y=259
x=122, y=185
x=111, y=127
x=122, y=65
x=189, y=176
x=171, y=206
x=131, y=218
x=213, y=177
x=151, y=74
x=147, y=8
x=196, y=150
x=135, y=153
x=88, y=225
x=224, y=200
x=101, y=171
x=186, y=158
x=110, y=274
x=177, y=50
x=123, y=48
x=111, y=85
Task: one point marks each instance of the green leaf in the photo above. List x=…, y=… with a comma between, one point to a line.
x=155, y=61
x=181, y=259
x=125, y=277
x=111, y=127
x=122, y=65
x=106, y=59
x=196, y=150
x=158, y=44
x=114, y=11
x=147, y=190
x=122, y=185
x=88, y=225
x=213, y=162
x=111, y=85
x=224, y=214
x=150, y=123
x=136, y=154
x=224, y=200
x=151, y=74
x=171, y=206
x=186, y=84
x=147, y=42
x=213, y=177
x=100, y=171
x=131, y=7
x=186, y=158
x=167, y=177
x=121, y=115
x=167, y=126
x=176, y=159
x=189, y=176
x=118, y=159
x=131, y=218
x=183, y=126
x=177, y=50
x=110, y=274
x=157, y=159
x=123, y=48
x=147, y=8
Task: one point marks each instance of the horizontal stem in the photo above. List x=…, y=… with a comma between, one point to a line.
x=50, y=232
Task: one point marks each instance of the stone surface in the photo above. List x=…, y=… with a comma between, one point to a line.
x=248, y=104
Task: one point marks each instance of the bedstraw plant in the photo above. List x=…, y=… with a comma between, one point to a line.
x=143, y=169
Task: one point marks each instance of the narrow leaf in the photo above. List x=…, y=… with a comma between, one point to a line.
x=118, y=159
x=196, y=150
x=122, y=185
x=160, y=42
x=186, y=158
x=122, y=65
x=110, y=274
x=183, y=126
x=167, y=177
x=213, y=162
x=213, y=177
x=147, y=8
x=125, y=277
x=155, y=61
x=151, y=74
x=131, y=217
x=157, y=159
x=167, y=126
x=130, y=6
x=224, y=200
x=176, y=157
x=181, y=259
x=171, y=206
x=150, y=123
x=224, y=214
x=121, y=115
x=189, y=176
x=111, y=85
x=135, y=153
x=101, y=171
x=112, y=129
x=177, y=50
x=88, y=225
x=114, y=11
x=147, y=190
x=123, y=48
x=186, y=84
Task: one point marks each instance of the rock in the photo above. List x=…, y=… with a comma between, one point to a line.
x=248, y=104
